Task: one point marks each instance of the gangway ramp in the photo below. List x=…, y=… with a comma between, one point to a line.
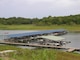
x=71, y=49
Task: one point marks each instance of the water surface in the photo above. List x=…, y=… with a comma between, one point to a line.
x=73, y=37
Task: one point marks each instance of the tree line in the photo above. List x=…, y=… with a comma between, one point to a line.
x=60, y=20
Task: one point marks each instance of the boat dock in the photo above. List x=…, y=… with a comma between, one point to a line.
x=41, y=46
x=71, y=49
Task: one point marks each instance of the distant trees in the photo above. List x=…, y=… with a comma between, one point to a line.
x=14, y=20
x=61, y=20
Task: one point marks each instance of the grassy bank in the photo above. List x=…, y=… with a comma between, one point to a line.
x=33, y=27
x=27, y=54
x=37, y=54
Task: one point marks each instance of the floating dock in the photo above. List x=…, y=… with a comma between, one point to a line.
x=71, y=49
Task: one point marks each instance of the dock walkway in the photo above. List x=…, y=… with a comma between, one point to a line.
x=41, y=46
x=71, y=50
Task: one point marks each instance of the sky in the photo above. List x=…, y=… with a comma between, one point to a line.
x=38, y=8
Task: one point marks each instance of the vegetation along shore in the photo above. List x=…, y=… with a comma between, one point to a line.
x=71, y=23
x=72, y=28
x=36, y=54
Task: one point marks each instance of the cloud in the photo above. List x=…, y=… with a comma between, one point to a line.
x=39, y=8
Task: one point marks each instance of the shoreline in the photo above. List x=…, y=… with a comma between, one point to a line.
x=74, y=31
x=70, y=31
x=70, y=28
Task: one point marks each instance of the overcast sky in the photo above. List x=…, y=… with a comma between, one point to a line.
x=38, y=8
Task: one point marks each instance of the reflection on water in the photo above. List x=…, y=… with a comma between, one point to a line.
x=74, y=38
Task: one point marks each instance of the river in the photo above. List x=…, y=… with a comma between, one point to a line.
x=73, y=37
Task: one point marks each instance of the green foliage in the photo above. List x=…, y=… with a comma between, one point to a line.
x=42, y=54
x=34, y=27
x=14, y=20
x=27, y=54
x=6, y=47
x=37, y=54
x=61, y=20
x=0, y=59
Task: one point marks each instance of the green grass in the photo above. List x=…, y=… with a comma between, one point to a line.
x=33, y=27
x=67, y=56
x=27, y=54
x=38, y=54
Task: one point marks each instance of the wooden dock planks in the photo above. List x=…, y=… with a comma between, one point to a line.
x=41, y=46
x=71, y=50
x=29, y=44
